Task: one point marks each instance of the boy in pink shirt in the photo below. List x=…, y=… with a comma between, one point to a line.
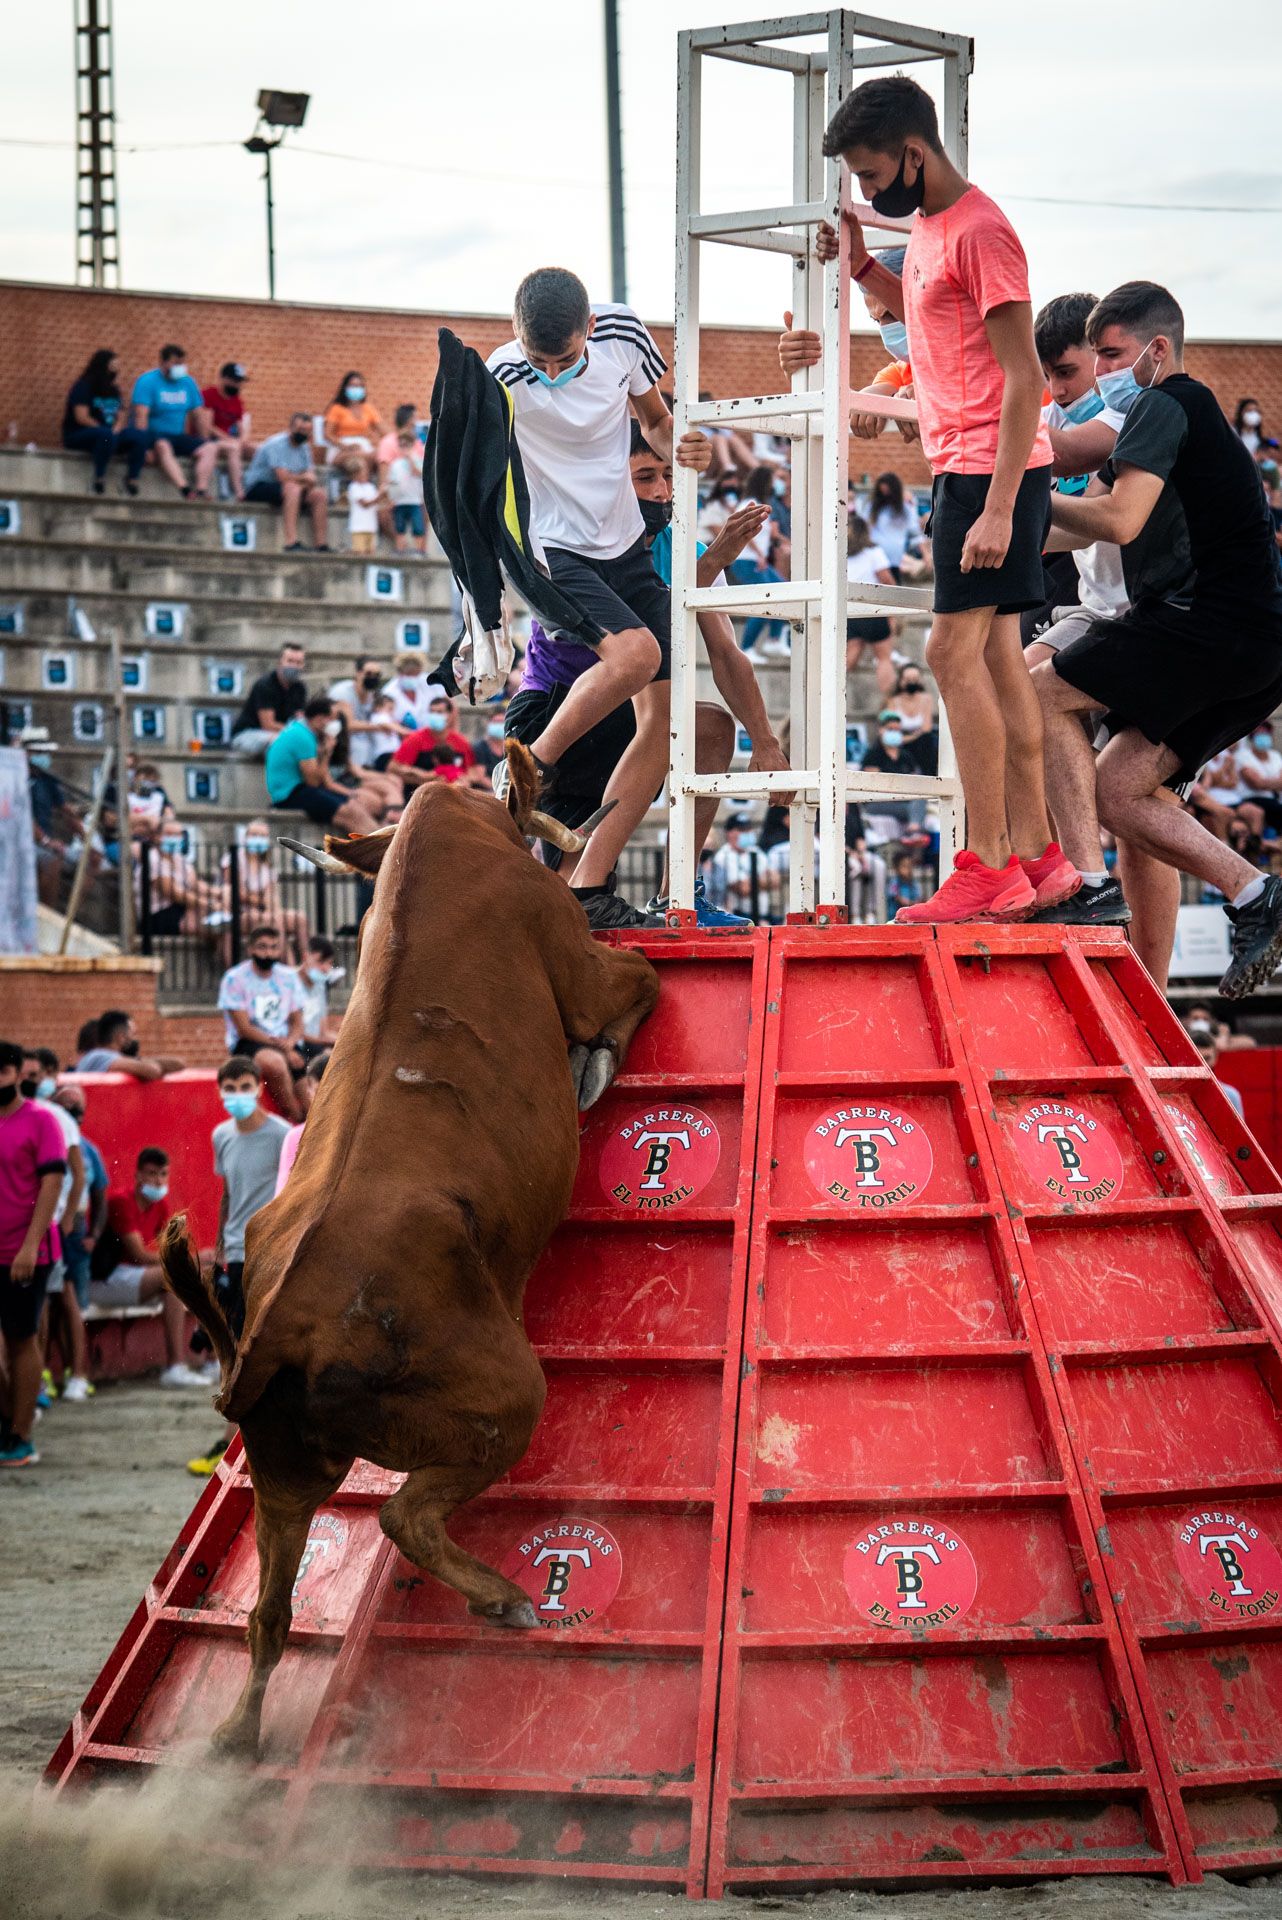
x=33, y=1160
x=964, y=298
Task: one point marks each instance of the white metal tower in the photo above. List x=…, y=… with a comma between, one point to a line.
x=815, y=416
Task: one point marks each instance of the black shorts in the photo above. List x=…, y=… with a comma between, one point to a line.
x=956, y=502
x=22, y=1305
x=1061, y=587
x=1182, y=678
x=265, y=493
x=318, y=803
x=618, y=594
x=873, y=631
x=182, y=443
x=167, y=919
x=584, y=769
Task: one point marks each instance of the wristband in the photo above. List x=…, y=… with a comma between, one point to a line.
x=867, y=267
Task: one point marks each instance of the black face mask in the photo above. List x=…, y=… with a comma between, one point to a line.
x=655, y=515
x=8, y=1095
x=27, y=1088
x=129, y=1049
x=299, y=439
x=231, y=387
x=261, y=964
x=898, y=200
x=371, y=679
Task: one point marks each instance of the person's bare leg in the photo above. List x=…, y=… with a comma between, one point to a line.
x=235, y=473
x=173, y=1313
x=1070, y=768
x=279, y=1081
x=204, y=460
x=318, y=508
x=1152, y=890
x=74, y=1340
x=884, y=667
x=634, y=783
x=955, y=654
x=355, y=817
x=1131, y=773
x=714, y=735
x=1030, y=830
x=167, y=461
x=24, y=1385
x=290, y=495
x=627, y=664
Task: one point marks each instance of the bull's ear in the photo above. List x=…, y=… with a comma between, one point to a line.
x=523, y=782
x=361, y=852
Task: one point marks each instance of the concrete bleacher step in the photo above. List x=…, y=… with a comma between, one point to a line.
x=180, y=573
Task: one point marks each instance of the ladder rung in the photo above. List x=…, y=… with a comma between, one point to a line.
x=746, y=32
x=771, y=406
x=794, y=245
x=779, y=596
x=706, y=226
x=782, y=58
x=897, y=786
x=879, y=599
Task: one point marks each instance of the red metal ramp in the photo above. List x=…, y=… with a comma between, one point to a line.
x=585, y=1748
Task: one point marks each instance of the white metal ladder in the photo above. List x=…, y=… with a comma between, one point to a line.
x=815, y=417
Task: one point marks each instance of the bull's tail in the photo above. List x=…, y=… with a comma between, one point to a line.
x=186, y=1280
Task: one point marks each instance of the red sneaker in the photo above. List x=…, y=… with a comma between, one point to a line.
x=1052, y=878
x=973, y=891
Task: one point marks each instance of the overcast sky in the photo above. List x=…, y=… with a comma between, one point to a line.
x=480, y=131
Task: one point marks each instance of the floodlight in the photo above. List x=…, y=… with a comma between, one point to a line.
x=283, y=109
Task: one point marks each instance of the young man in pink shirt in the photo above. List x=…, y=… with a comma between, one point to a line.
x=33, y=1161
x=978, y=383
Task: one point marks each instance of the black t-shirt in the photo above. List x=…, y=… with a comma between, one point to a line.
x=105, y=408
x=1157, y=564
x=877, y=760
x=1178, y=432
x=284, y=702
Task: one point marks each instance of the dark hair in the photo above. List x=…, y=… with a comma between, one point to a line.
x=233, y=1068
x=882, y=115
x=101, y=384
x=774, y=828
x=353, y=373
x=639, y=443
x=152, y=1157
x=292, y=646
x=888, y=489
x=110, y=1024
x=318, y=943
x=171, y=352
x=404, y=414
x=47, y=1058
x=265, y=930
x=319, y=705
x=550, y=308
x=11, y=1055
x=1242, y=405
x=87, y=1036
x=1061, y=325
x=760, y=484
x=858, y=538
x=1139, y=306
x=317, y=1064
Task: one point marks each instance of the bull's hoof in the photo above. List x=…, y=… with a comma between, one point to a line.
x=579, y=1057
x=521, y=1615
x=597, y=1076
x=234, y=1740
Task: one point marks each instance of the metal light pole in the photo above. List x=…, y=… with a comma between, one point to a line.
x=614, y=136
x=283, y=110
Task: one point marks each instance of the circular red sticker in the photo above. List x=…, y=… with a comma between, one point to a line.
x=909, y=1572
x=660, y=1159
x=322, y=1557
x=868, y=1155
x=1071, y=1155
x=571, y=1570
x=1232, y=1569
x=1199, y=1147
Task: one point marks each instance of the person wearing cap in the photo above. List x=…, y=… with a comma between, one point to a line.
x=227, y=424
x=891, y=751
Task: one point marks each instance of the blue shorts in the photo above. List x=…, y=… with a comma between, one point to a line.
x=182, y=443
x=76, y=1260
x=318, y=803
x=410, y=519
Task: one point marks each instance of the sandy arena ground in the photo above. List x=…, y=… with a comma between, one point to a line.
x=80, y=1536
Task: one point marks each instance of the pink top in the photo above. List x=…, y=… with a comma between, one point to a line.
x=31, y=1145
x=288, y=1154
x=960, y=264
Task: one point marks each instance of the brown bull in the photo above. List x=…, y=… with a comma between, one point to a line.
x=383, y=1286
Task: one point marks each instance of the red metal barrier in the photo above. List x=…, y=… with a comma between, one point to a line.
x=909, y=1496
x=179, y=1114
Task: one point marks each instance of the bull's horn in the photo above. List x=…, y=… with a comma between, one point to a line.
x=317, y=855
x=593, y=821
x=554, y=831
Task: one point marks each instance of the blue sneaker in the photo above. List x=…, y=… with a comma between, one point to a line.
x=18, y=1453
x=706, y=915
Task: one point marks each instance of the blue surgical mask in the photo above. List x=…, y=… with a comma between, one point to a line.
x=354, y=393
x=151, y=1194
x=318, y=975
x=779, y=486
x=42, y=760
x=46, y=1088
x=1084, y=408
x=438, y=722
x=1122, y=389
x=258, y=844
x=178, y=371
x=894, y=338
x=494, y=729
x=171, y=843
x=562, y=379
x=421, y=431
x=1263, y=741
x=892, y=737
x=239, y=1105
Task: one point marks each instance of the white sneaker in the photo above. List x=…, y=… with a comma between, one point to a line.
x=77, y=1388
x=181, y=1376
x=780, y=649
x=211, y=1373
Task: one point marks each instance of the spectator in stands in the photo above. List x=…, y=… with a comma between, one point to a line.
x=410, y=691
x=868, y=566
x=488, y=750
x=115, y=1048
x=1225, y=1038
x=903, y=887
x=89, y=423
x=39, y=1084
x=1248, y=424
x=33, y=1165
x=356, y=702
x=262, y=1004
x=169, y=412
x=891, y=751
x=406, y=416
x=437, y=751
x=350, y=419
x=766, y=556
x=915, y=706
x=271, y=703
x=1260, y=771
x=297, y=771
x=307, y=1089
x=247, y=1146
x=401, y=482
x=227, y=428
x=78, y=1243
x=364, y=498
x=123, y=1267
x=1202, y=1033
x=282, y=474
x=731, y=880
x=1217, y=793
x=147, y=796
x=170, y=894
x=893, y=521
x=318, y=974
x=259, y=889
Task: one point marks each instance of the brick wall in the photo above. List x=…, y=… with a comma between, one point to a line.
x=298, y=353
x=48, y=998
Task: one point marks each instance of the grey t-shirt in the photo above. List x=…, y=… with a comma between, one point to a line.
x=247, y=1163
x=97, y=1060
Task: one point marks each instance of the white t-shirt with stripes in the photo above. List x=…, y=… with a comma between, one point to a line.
x=574, y=440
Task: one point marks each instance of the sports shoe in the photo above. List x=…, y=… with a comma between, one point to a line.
x=1257, y=942
x=500, y=779
x=49, y=1386
x=18, y=1453
x=706, y=915
x=77, y=1388
x=205, y=1463
x=180, y=1376
x=607, y=909
x=777, y=649
x=973, y=891
x=1089, y=907
x=1052, y=877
